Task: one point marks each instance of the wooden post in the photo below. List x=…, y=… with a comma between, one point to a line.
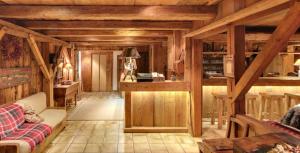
x=171, y=55
x=38, y=57
x=288, y=61
x=196, y=87
x=2, y=32
x=128, y=110
x=276, y=43
x=187, y=59
x=236, y=50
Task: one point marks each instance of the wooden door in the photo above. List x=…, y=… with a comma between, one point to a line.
x=101, y=72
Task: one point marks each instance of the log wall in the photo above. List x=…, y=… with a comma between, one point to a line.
x=15, y=53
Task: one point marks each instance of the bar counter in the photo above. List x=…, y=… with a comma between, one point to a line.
x=156, y=106
x=262, y=81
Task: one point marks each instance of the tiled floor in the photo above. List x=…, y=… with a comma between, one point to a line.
x=108, y=137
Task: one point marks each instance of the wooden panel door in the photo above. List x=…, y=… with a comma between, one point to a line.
x=95, y=72
x=101, y=72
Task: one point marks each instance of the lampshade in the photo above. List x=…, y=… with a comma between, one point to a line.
x=297, y=63
x=131, y=52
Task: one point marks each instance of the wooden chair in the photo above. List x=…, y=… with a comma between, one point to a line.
x=225, y=145
x=219, y=105
x=271, y=105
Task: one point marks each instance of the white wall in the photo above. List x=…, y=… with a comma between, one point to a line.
x=115, y=70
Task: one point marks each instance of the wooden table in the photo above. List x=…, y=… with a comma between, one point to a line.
x=62, y=93
x=248, y=144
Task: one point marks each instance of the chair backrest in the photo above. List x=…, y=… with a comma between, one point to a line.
x=242, y=128
x=37, y=102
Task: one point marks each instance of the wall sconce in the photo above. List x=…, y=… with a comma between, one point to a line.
x=228, y=66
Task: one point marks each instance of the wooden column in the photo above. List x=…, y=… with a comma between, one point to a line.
x=196, y=87
x=287, y=27
x=128, y=110
x=236, y=50
x=2, y=32
x=171, y=55
x=187, y=59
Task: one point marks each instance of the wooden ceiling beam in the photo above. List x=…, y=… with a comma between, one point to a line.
x=93, y=33
x=106, y=25
x=163, y=13
x=213, y=2
x=249, y=11
x=2, y=32
x=114, y=38
x=19, y=31
x=249, y=37
x=112, y=43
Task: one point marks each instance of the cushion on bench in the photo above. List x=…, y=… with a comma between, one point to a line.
x=33, y=134
x=53, y=117
x=37, y=102
x=11, y=117
x=284, y=128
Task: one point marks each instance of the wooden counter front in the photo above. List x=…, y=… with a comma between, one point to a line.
x=156, y=106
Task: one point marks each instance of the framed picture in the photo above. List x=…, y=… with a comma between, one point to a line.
x=228, y=66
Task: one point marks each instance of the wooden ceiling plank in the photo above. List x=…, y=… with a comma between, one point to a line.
x=275, y=44
x=213, y=2
x=114, y=38
x=107, y=25
x=255, y=8
x=163, y=13
x=19, y=31
x=91, y=33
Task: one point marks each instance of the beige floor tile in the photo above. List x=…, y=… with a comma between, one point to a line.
x=125, y=139
x=98, y=132
x=109, y=148
x=57, y=148
x=157, y=147
x=92, y=148
x=111, y=139
x=125, y=148
x=169, y=139
x=185, y=139
x=141, y=148
x=65, y=139
x=140, y=139
x=190, y=148
x=174, y=148
x=76, y=148
x=154, y=138
x=96, y=139
x=85, y=132
x=80, y=139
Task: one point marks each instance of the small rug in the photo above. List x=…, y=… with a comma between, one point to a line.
x=95, y=106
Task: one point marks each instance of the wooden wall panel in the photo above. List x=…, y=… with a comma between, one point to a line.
x=86, y=71
x=160, y=109
x=95, y=72
x=102, y=66
x=15, y=52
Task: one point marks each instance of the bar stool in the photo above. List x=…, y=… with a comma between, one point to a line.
x=271, y=105
x=219, y=104
x=291, y=99
x=251, y=105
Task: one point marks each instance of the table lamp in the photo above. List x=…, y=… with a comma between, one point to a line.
x=130, y=54
x=297, y=63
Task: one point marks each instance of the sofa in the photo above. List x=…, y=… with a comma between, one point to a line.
x=22, y=137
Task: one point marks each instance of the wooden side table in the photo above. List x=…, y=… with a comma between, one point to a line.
x=63, y=93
